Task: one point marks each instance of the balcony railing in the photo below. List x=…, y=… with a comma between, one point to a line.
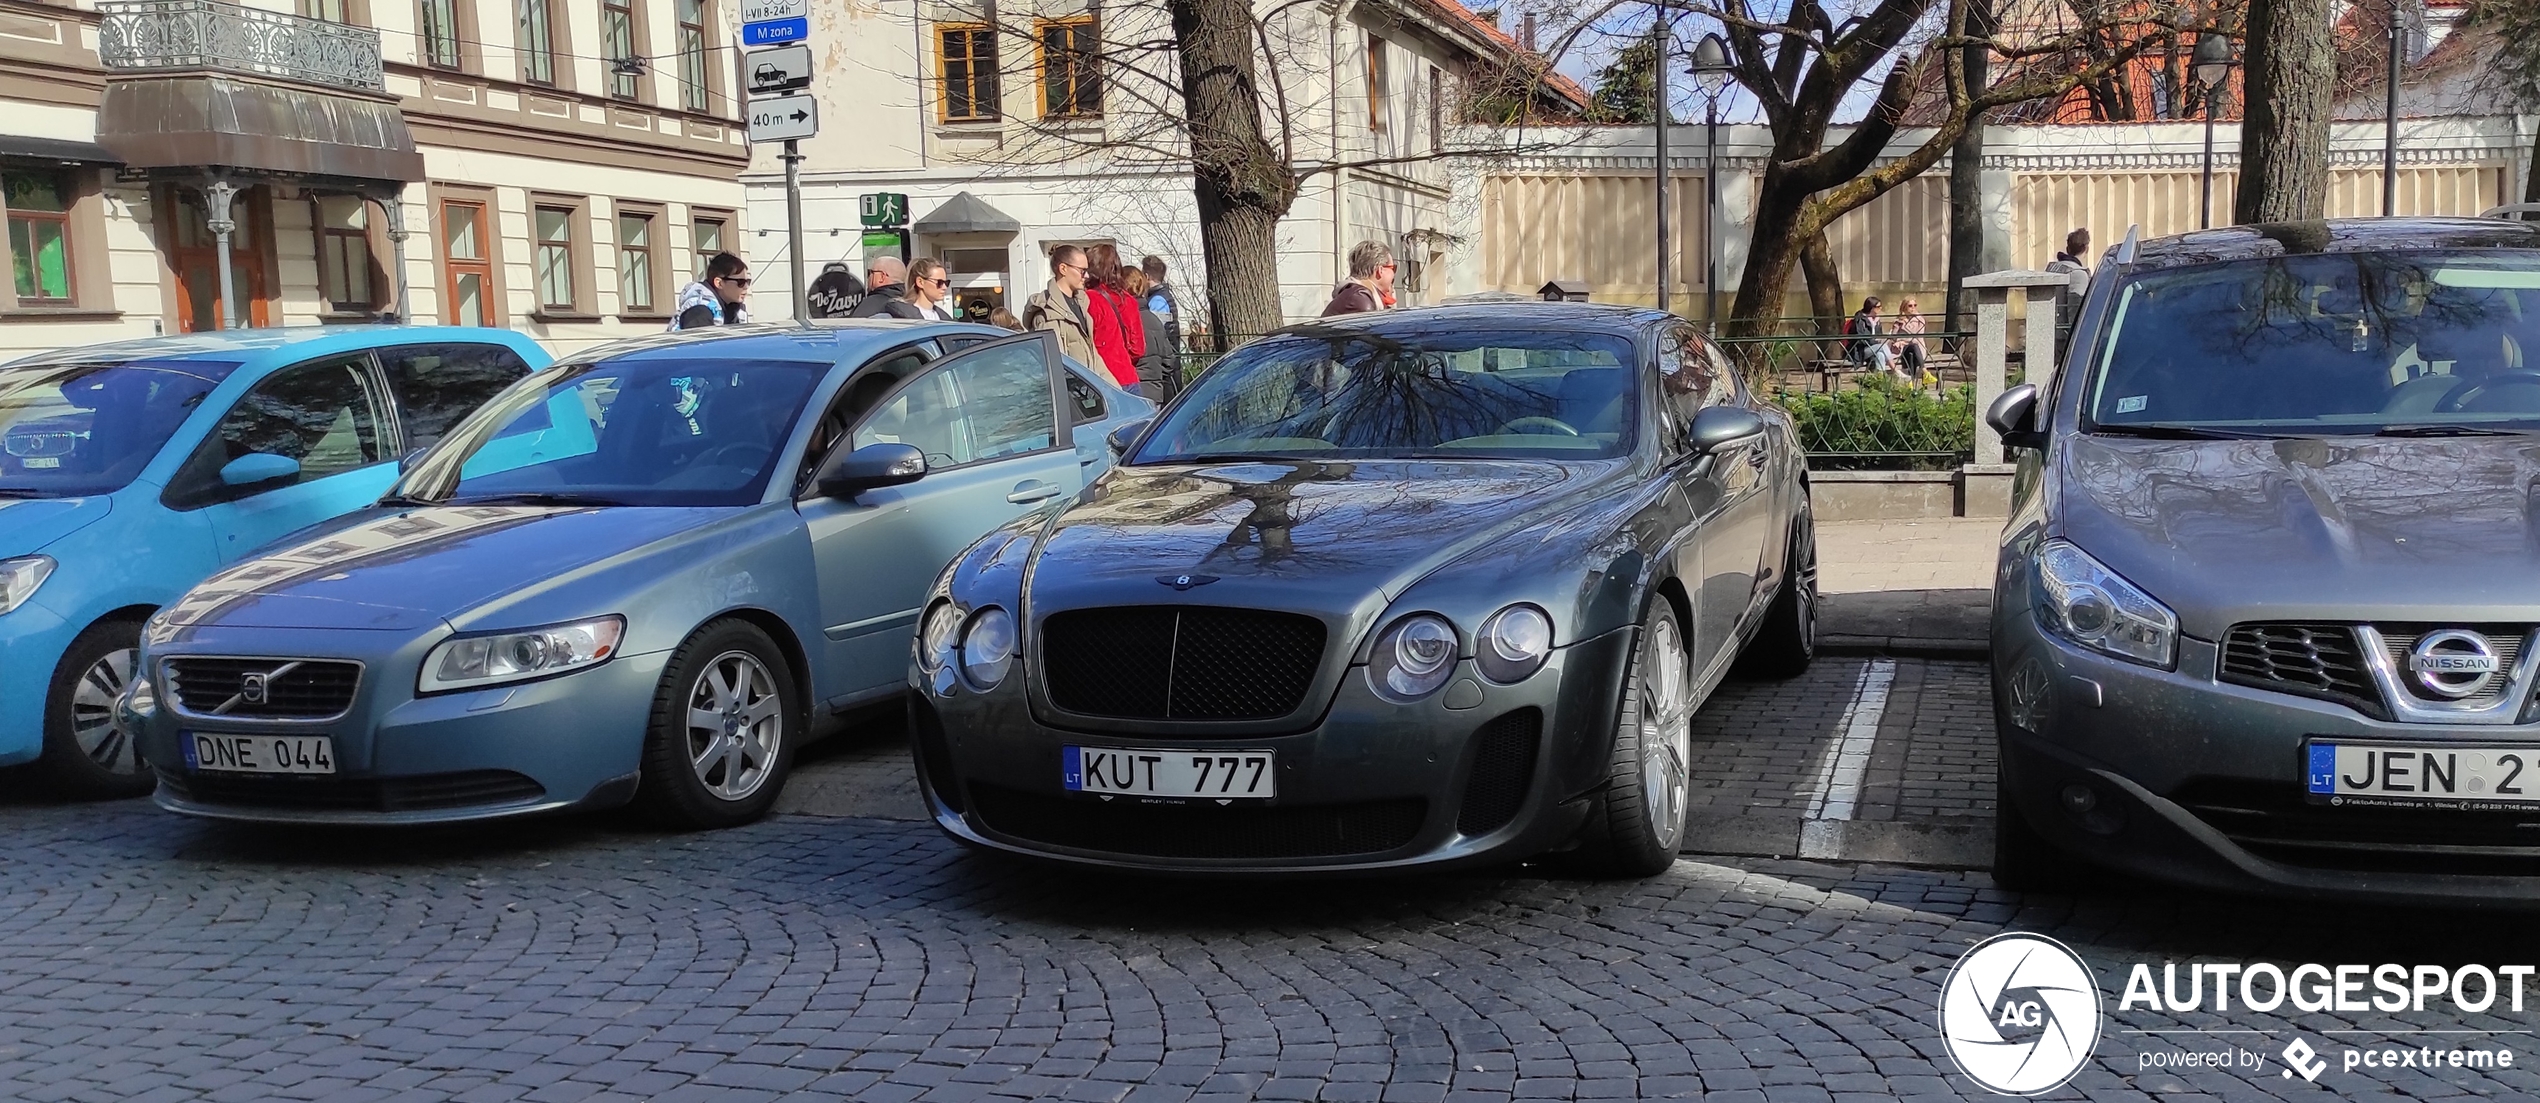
x=207, y=34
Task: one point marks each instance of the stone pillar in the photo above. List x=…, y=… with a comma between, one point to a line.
x=1985, y=483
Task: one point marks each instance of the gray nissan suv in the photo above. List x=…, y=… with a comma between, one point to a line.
x=2264, y=611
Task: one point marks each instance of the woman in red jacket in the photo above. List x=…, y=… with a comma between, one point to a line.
x=1119, y=334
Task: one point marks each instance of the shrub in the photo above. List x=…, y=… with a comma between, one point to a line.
x=1885, y=425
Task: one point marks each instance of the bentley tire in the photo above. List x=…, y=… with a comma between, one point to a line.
x=1788, y=641
x=86, y=754
x=1636, y=820
x=724, y=726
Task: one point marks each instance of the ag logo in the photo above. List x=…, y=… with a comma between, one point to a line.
x=2020, y=1014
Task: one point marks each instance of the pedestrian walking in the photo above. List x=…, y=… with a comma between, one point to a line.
x=930, y=290
x=715, y=299
x=885, y=290
x=1370, y=283
x=836, y=291
x=2074, y=263
x=1119, y=338
x=1162, y=302
x=1061, y=308
x=1160, y=369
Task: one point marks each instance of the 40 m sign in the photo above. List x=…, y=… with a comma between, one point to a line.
x=784, y=118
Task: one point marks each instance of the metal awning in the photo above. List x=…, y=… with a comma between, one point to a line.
x=209, y=122
x=965, y=213
x=60, y=151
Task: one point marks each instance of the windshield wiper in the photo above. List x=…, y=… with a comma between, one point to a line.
x=404, y=500
x=1237, y=457
x=21, y=492
x=531, y=498
x=2174, y=432
x=2448, y=431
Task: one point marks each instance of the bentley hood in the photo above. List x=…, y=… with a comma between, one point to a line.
x=407, y=569
x=2376, y=529
x=28, y=525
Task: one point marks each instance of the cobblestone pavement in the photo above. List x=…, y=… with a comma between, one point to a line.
x=845, y=950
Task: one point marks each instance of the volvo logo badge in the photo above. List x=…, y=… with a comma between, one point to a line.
x=2454, y=663
x=251, y=689
x=1185, y=581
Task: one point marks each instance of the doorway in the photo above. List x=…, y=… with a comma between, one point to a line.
x=194, y=256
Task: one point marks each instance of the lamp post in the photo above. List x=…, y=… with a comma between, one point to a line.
x=1658, y=33
x=2390, y=118
x=1711, y=70
x=2213, y=65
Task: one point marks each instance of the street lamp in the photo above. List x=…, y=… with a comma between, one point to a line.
x=2213, y=66
x=2390, y=118
x=1711, y=70
x=1659, y=34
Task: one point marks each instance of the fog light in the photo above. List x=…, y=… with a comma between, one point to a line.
x=2080, y=800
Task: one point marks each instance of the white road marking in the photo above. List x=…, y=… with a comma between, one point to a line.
x=1837, y=788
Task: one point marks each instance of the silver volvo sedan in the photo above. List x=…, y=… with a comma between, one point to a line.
x=2265, y=607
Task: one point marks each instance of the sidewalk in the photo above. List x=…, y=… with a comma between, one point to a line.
x=1916, y=587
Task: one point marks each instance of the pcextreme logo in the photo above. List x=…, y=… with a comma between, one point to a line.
x=2020, y=1014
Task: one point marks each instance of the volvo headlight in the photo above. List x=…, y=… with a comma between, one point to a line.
x=19, y=578
x=2080, y=599
x=1513, y=643
x=935, y=640
x=987, y=647
x=472, y=661
x=1413, y=658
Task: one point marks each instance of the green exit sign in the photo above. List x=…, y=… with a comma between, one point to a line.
x=883, y=209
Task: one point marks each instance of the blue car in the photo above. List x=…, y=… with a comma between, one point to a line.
x=640, y=575
x=129, y=471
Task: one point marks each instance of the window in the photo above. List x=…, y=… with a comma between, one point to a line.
x=966, y=59
x=439, y=20
x=39, y=206
x=1437, y=110
x=323, y=415
x=333, y=11
x=705, y=238
x=626, y=66
x=537, y=42
x=1377, y=91
x=436, y=385
x=554, y=258
x=1690, y=378
x=1084, y=400
x=1071, y=79
x=987, y=405
x=467, y=264
x=635, y=261
x=692, y=54
x=343, y=228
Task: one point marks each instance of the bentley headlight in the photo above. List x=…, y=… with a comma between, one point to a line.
x=987, y=647
x=2080, y=599
x=1413, y=658
x=19, y=578
x=472, y=661
x=1513, y=643
x=935, y=640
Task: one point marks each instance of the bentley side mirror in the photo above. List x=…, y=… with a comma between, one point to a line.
x=1719, y=427
x=1126, y=437
x=258, y=469
x=2014, y=415
x=848, y=474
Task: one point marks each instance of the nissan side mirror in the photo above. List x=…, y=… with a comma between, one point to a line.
x=1720, y=427
x=2013, y=416
x=1125, y=437
x=258, y=469
x=871, y=467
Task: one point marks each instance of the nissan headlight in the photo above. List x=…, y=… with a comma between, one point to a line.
x=2080, y=599
x=472, y=661
x=935, y=640
x=987, y=647
x=19, y=578
x=1413, y=658
x=1513, y=643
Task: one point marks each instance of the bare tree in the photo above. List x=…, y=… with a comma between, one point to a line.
x=2291, y=88
x=2515, y=27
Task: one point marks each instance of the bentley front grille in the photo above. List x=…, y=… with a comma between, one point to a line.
x=1171, y=662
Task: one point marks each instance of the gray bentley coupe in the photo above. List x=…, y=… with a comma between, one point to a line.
x=1422, y=588
x=2265, y=607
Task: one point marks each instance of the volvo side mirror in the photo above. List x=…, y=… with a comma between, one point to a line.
x=2014, y=415
x=258, y=469
x=1720, y=427
x=848, y=474
x=1125, y=437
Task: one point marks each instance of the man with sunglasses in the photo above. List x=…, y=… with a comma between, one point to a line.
x=1370, y=284
x=715, y=299
x=885, y=291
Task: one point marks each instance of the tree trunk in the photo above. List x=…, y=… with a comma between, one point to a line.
x=2291, y=80
x=1966, y=183
x=1825, y=281
x=1772, y=251
x=2531, y=173
x=1241, y=184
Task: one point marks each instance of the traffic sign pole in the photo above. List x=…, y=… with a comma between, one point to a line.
x=794, y=229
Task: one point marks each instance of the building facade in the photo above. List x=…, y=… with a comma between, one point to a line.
x=1015, y=128
x=554, y=166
